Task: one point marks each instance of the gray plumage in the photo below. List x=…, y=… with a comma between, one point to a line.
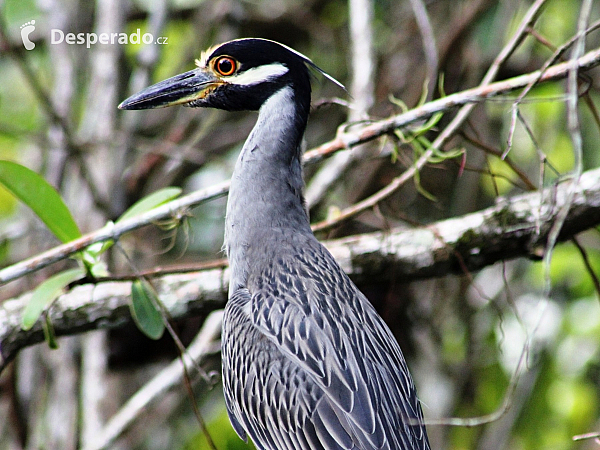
x=308, y=364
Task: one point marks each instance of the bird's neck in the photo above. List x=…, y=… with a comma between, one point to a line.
x=266, y=193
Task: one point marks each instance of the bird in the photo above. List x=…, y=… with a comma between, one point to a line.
x=307, y=362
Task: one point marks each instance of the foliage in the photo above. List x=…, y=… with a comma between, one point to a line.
x=33, y=190
x=145, y=310
x=41, y=197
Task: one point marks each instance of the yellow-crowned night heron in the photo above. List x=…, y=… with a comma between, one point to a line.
x=307, y=361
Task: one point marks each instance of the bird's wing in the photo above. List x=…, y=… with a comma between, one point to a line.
x=268, y=396
x=336, y=355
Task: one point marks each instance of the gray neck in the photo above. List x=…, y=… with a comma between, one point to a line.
x=266, y=186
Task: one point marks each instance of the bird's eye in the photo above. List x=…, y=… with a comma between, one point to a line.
x=225, y=66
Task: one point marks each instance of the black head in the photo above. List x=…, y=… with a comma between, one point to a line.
x=237, y=75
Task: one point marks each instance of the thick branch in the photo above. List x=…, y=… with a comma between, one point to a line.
x=514, y=227
x=346, y=139
x=105, y=305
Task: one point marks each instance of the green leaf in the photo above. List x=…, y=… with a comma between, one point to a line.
x=399, y=103
x=90, y=257
x=46, y=293
x=49, y=334
x=424, y=92
x=441, y=80
x=98, y=248
x=150, y=202
x=431, y=122
x=144, y=310
x=41, y=197
x=395, y=151
x=421, y=189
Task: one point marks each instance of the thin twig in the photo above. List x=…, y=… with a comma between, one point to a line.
x=587, y=263
x=538, y=149
x=574, y=132
x=558, y=52
x=496, y=152
x=429, y=45
x=501, y=411
x=583, y=437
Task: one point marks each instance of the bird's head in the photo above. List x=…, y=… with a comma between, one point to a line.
x=237, y=75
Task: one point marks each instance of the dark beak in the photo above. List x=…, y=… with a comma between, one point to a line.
x=180, y=89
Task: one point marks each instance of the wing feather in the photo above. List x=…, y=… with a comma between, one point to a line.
x=308, y=363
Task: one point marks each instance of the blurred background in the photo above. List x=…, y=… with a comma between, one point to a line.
x=463, y=336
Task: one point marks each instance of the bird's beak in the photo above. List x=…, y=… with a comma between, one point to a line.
x=178, y=90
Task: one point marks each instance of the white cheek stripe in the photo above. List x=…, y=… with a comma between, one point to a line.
x=258, y=74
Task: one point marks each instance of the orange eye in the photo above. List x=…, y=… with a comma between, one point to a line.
x=225, y=65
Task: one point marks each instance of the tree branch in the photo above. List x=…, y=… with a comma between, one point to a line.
x=345, y=139
x=105, y=305
x=514, y=227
